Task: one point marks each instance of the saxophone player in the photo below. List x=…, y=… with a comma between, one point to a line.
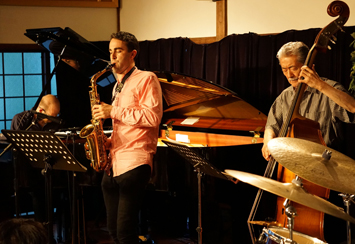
x=136, y=112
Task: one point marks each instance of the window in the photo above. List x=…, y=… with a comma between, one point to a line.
x=23, y=76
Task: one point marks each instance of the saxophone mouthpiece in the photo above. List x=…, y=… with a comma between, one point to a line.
x=110, y=66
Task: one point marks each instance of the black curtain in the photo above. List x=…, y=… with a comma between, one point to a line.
x=245, y=64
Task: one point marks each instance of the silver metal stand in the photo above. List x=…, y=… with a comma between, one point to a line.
x=201, y=166
x=347, y=198
x=291, y=213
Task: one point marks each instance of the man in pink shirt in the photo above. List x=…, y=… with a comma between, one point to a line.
x=136, y=111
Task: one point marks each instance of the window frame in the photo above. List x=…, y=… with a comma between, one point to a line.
x=46, y=69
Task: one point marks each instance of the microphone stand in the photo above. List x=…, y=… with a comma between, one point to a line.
x=49, y=78
x=45, y=116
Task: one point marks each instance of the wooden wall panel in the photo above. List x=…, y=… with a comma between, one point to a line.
x=63, y=3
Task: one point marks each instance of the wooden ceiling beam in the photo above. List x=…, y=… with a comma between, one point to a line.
x=221, y=24
x=221, y=21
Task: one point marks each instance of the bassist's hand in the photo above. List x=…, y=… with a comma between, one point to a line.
x=265, y=152
x=268, y=135
x=310, y=77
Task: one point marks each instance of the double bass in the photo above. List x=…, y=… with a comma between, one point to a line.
x=308, y=221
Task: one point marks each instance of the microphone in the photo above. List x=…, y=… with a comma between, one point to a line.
x=45, y=116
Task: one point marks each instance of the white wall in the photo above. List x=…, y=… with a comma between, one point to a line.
x=275, y=16
x=154, y=19
x=94, y=24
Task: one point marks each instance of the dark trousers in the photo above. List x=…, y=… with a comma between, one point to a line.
x=123, y=196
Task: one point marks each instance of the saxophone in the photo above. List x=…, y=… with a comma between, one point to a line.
x=94, y=133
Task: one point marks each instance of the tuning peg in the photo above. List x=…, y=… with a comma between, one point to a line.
x=340, y=24
x=329, y=48
x=331, y=40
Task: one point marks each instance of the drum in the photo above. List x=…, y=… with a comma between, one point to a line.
x=278, y=235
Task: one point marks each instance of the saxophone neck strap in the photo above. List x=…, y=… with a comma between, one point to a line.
x=120, y=85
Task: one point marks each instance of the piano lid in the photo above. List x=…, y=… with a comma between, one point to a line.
x=74, y=50
x=196, y=103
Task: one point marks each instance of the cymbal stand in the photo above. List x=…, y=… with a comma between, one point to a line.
x=347, y=198
x=291, y=211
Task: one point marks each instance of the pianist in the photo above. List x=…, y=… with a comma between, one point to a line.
x=29, y=176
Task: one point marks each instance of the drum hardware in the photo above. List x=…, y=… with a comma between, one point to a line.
x=316, y=163
x=347, y=198
x=279, y=235
x=291, y=213
x=327, y=154
x=292, y=192
x=265, y=223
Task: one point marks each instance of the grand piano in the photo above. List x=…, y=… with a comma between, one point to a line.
x=199, y=113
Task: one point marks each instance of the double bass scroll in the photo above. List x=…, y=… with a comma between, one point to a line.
x=310, y=129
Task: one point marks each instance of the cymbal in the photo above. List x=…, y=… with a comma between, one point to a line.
x=304, y=158
x=265, y=223
x=292, y=192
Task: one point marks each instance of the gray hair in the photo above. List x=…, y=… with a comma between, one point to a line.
x=298, y=49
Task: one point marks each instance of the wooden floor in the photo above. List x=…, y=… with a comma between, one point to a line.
x=98, y=234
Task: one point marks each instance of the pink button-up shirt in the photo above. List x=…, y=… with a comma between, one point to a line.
x=136, y=116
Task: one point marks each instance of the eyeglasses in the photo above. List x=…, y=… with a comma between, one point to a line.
x=44, y=111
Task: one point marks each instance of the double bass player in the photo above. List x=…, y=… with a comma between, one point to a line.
x=324, y=101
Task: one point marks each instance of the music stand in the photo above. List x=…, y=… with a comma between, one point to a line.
x=201, y=166
x=44, y=150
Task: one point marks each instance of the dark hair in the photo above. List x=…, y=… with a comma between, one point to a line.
x=22, y=231
x=128, y=38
